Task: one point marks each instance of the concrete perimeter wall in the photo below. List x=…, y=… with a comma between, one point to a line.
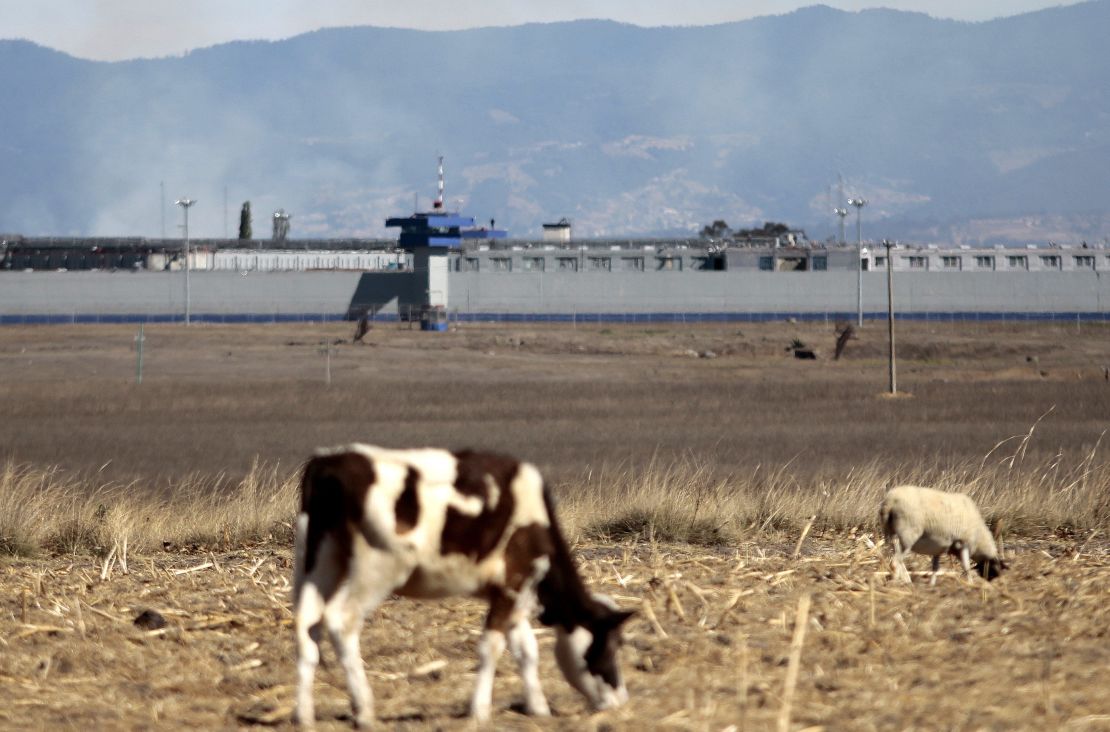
x=777, y=292
x=85, y=294
x=93, y=295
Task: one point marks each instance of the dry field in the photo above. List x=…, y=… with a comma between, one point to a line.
x=713, y=493
x=215, y=397
x=1029, y=651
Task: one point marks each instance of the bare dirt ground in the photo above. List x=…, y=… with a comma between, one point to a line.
x=214, y=398
x=710, y=647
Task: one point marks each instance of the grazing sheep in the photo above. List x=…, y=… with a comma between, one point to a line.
x=433, y=524
x=933, y=522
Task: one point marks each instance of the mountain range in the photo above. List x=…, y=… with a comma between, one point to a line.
x=957, y=132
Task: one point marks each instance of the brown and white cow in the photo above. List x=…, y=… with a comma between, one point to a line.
x=429, y=523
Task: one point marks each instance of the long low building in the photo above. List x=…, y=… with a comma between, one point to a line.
x=666, y=255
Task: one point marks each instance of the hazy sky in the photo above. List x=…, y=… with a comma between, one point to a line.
x=119, y=29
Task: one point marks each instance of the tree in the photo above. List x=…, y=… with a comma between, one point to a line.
x=772, y=228
x=717, y=230
x=245, y=221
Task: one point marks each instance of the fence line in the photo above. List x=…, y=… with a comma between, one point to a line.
x=457, y=315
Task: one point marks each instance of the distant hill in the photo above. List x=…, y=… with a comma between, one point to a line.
x=965, y=131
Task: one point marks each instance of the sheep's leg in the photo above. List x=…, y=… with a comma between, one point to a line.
x=523, y=646
x=936, y=568
x=900, y=571
x=965, y=560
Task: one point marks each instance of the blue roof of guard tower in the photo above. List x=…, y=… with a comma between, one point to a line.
x=434, y=229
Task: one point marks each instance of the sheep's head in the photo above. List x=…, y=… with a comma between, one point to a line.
x=990, y=568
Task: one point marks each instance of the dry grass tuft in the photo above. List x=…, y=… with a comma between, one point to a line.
x=52, y=511
x=676, y=501
x=688, y=501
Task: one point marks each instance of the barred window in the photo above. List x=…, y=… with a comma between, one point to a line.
x=567, y=264
x=950, y=262
x=599, y=264
x=501, y=264
x=632, y=264
x=533, y=264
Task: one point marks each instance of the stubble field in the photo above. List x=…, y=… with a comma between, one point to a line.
x=709, y=480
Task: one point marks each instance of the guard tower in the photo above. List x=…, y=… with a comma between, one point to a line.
x=431, y=235
x=439, y=228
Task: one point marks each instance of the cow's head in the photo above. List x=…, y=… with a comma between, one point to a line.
x=587, y=654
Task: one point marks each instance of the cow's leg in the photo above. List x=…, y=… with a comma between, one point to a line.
x=502, y=610
x=378, y=574
x=343, y=618
x=490, y=647
x=308, y=620
x=523, y=646
x=936, y=568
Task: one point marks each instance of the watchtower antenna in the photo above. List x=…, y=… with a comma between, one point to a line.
x=438, y=205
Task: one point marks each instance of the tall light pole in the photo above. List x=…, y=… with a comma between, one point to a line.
x=890, y=316
x=841, y=213
x=185, y=203
x=859, y=203
x=281, y=225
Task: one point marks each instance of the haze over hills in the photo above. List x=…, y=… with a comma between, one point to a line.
x=966, y=132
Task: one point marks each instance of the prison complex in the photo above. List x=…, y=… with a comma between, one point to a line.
x=553, y=278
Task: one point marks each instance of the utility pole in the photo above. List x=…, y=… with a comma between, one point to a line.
x=890, y=313
x=185, y=203
x=859, y=203
x=139, y=355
